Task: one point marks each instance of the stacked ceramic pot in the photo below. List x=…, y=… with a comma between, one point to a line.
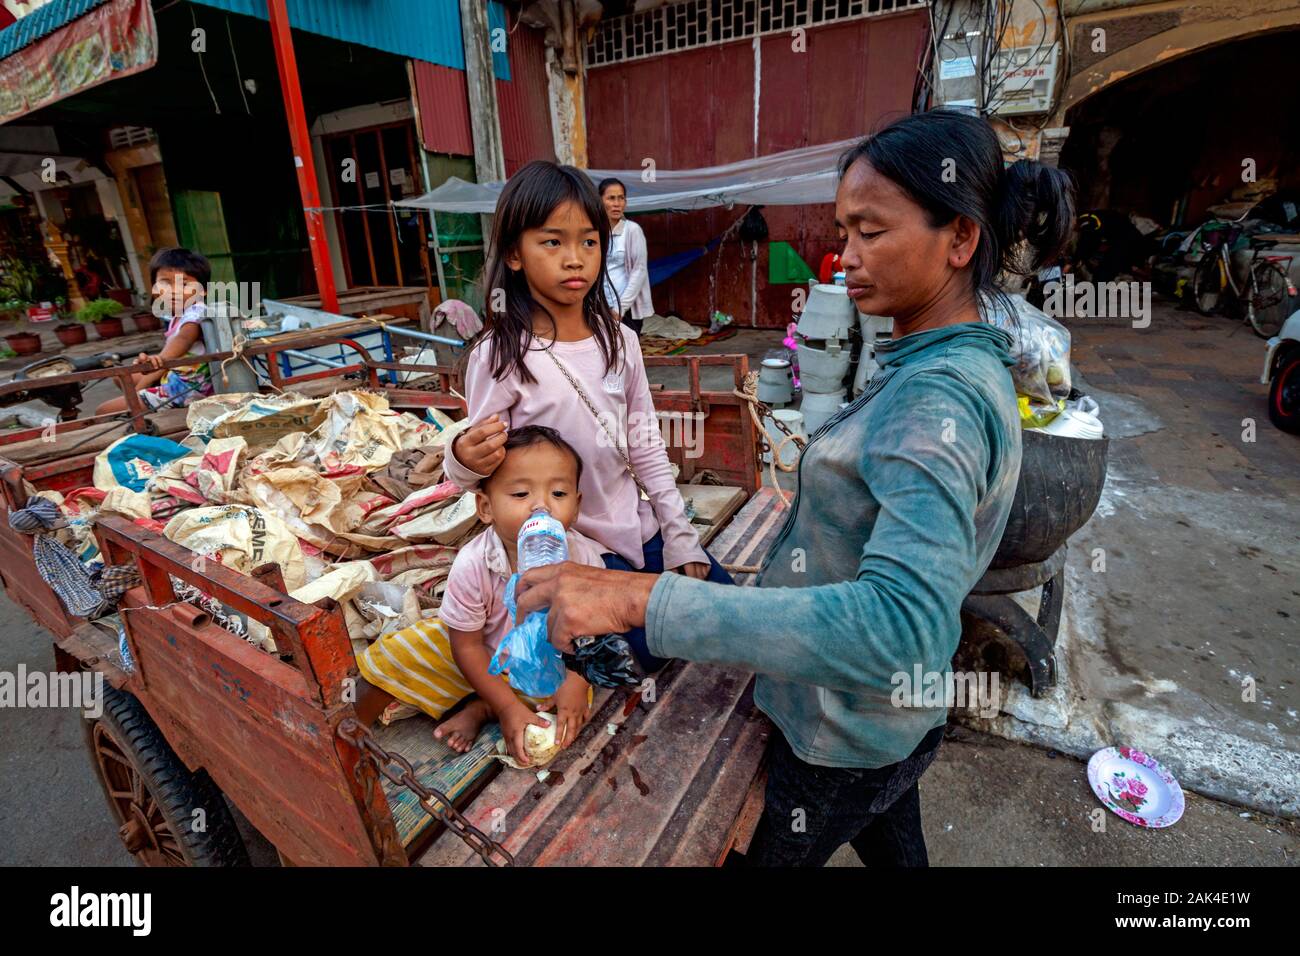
x=824, y=352
x=874, y=329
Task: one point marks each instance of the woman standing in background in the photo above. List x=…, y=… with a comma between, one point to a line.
x=627, y=262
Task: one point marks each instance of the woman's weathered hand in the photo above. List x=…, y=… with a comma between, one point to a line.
x=583, y=600
x=694, y=569
x=482, y=447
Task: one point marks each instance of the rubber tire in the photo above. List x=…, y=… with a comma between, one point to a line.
x=1285, y=375
x=1205, y=269
x=176, y=789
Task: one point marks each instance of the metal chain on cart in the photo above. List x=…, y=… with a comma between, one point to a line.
x=434, y=802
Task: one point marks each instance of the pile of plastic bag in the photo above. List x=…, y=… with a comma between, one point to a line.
x=1041, y=348
x=344, y=494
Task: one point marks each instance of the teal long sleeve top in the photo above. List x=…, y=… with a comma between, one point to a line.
x=901, y=502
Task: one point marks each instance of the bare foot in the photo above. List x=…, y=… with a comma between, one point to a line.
x=460, y=731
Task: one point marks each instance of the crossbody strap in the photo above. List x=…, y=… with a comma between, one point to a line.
x=591, y=407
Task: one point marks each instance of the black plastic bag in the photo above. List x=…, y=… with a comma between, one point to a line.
x=605, y=661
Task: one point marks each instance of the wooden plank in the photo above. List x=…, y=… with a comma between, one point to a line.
x=750, y=534
x=664, y=789
x=713, y=504
x=97, y=649
x=92, y=439
x=245, y=717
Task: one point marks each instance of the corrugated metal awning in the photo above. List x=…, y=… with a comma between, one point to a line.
x=41, y=23
x=426, y=30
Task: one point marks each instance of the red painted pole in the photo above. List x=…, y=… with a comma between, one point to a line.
x=287, y=64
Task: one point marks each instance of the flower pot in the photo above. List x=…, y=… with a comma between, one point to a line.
x=71, y=333
x=24, y=343
x=146, y=322
x=109, y=328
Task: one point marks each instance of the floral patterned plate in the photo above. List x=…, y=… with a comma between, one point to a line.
x=1135, y=787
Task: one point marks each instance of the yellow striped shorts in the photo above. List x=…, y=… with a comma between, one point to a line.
x=415, y=666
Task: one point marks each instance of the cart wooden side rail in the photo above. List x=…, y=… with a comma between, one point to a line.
x=264, y=727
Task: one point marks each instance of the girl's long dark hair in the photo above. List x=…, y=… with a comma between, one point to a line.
x=527, y=201
x=1026, y=201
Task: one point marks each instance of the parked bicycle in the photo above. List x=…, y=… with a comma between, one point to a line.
x=1264, y=292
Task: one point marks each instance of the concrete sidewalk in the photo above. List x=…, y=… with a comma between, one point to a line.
x=1186, y=645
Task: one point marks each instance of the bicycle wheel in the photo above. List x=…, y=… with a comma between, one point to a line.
x=1207, y=284
x=1268, y=298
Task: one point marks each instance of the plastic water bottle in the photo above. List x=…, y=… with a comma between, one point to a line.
x=541, y=541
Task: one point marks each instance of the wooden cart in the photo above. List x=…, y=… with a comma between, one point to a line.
x=670, y=774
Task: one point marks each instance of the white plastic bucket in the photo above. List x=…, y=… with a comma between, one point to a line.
x=775, y=385
x=828, y=314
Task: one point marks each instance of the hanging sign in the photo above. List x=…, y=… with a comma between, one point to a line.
x=114, y=40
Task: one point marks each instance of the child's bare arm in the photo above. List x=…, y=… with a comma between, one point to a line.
x=175, y=347
x=571, y=708
x=472, y=657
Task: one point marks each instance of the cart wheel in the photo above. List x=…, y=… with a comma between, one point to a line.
x=153, y=796
x=1284, y=395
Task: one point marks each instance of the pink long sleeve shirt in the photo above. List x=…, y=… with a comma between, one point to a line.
x=613, y=513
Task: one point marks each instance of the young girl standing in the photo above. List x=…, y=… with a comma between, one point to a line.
x=552, y=353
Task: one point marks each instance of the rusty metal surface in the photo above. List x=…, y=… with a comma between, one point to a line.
x=522, y=99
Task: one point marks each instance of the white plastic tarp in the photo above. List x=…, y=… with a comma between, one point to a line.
x=794, y=178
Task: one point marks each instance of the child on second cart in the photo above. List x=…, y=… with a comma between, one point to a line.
x=552, y=353
x=180, y=280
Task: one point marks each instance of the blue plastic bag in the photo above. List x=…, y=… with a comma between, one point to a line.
x=535, y=667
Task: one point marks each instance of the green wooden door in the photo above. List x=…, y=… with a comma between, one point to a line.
x=201, y=226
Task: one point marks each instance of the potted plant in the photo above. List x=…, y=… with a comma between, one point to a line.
x=33, y=286
x=72, y=329
x=24, y=341
x=104, y=314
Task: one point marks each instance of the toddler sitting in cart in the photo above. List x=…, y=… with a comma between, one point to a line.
x=435, y=664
